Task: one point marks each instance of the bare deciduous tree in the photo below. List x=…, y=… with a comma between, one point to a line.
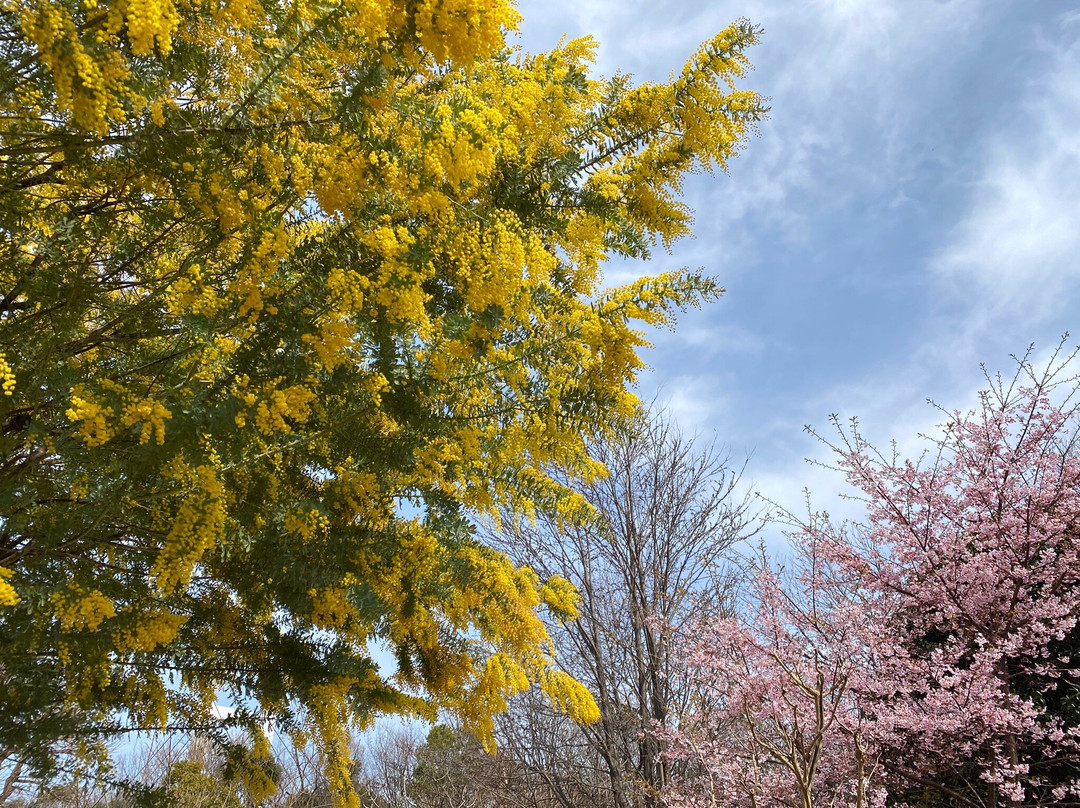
x=385, y=759
x=668, y=511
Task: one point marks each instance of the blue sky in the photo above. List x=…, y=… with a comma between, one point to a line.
x=910, y=209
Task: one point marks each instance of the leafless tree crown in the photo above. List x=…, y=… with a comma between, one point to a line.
x=668, y=512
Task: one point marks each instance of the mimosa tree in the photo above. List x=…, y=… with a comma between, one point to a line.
x=287, y=290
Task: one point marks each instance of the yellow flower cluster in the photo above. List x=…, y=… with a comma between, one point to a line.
x=8, y=595
x=255, y=778
x=146, y=632
x=7, y=376
x=91, y=75
x=198, y=524
x=306, y=524
x=360, y=498
x=78, y=609
x=459, y=30
x=346, y=288
x=150, y=22
x=336, y=333
x=343, y=175
x=569, y=696
x=92, y=417
x=190, y=294
x=292, y=402
x=507, y=597
x=499, y=679
x=89, y=86
x=240, y=13
x=152, y=415
x=375, y=384
x=438, y=464
x=399, y=286
x=560, y=596
x=228, y=203
x=330, y=607
x=253, y=284
x=467, y=147
x=332, y=720
x=331, y=342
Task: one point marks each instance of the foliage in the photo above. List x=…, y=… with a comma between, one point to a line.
x=287, y=288
x=189, y=785
x=440, y=778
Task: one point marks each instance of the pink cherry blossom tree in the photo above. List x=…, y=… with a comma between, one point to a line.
x=776, y=722
x=933, y=649
x=972, y=563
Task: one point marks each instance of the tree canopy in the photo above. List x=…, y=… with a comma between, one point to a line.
x=288, y=289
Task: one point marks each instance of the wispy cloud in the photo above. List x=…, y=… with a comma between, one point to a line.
x=1016, y=252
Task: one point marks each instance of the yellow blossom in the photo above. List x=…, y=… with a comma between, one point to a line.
x=8, y=595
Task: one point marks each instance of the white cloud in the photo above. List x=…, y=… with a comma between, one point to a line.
x=848, y=83
x=704, y=340
x=1016, y=253
x=691, y=401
